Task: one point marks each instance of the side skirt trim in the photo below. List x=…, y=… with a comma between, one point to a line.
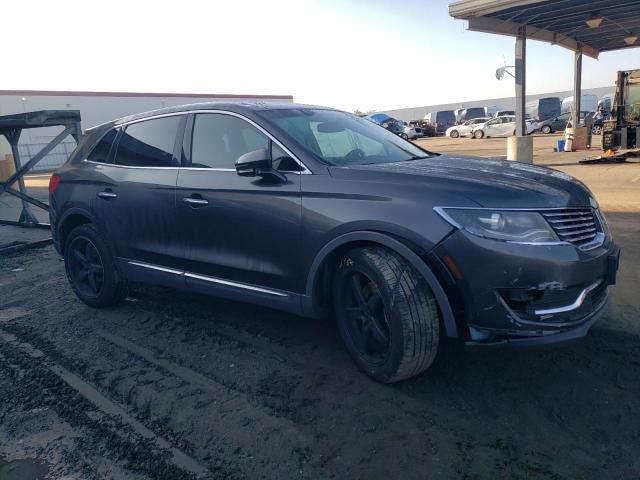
x=207, y=278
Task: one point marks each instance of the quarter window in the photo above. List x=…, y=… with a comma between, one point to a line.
x=100, y=152
x=149, y=143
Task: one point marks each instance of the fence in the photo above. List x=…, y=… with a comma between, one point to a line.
x=53, y=160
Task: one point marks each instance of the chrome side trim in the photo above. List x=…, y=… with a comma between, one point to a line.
x=208, y=279
x=234, y=284
x=576, y=304
x=156, y=267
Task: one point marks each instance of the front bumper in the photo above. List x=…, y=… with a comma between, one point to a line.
x=517, y=295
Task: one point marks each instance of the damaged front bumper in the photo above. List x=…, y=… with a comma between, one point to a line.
x=517, y=294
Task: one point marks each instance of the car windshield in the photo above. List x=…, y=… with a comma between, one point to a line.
x=340, y=139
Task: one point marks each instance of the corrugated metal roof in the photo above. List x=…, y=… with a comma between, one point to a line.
x=561, y=22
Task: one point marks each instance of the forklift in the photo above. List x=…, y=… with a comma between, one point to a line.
x=622, y=129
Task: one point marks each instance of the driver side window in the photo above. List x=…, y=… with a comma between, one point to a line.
x=218, y=140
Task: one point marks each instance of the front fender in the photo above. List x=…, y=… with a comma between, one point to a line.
x=399, y=248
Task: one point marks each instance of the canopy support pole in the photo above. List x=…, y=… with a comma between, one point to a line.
x=577, y=87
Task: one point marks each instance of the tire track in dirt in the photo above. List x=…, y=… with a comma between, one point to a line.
x=107, y=406
x=206, y=419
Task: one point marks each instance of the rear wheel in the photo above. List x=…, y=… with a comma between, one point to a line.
x=405, y=136
x=91, y=269
x=478, y=134
x=454, y=134
x=546, y=129
x=386, y=313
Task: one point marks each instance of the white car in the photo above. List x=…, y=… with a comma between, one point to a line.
x=504, y=126
x=411, y=132
x=465, y=128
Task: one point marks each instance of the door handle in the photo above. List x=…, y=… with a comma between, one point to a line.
x=106, y=194
x=195, y=201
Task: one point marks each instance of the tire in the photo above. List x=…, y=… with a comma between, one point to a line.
x=478, y=134
x=403, y=331
x=454, y=134
x=546, y=129
x=91, y=268
x=405, y=136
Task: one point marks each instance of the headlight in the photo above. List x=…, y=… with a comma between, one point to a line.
x=510, y=226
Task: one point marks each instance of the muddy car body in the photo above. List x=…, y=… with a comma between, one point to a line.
x=315, y=211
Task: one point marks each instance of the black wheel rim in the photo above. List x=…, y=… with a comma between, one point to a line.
x=85, y=266
x=366, y=320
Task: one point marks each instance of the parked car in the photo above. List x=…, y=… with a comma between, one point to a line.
x=412, y=132
x=503, y=113
x=427, y=130
x=555, y=124
x=322, y=213
x=390, y=123
x=466, y=128
x=441, y=120
x=559, y=123
x=504, y=126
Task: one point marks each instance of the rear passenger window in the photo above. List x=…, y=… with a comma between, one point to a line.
x=149, y=143
x=100, y=152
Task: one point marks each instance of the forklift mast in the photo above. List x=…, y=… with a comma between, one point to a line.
x=623, y=129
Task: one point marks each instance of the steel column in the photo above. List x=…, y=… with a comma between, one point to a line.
x=521, y=75
x=577, y=86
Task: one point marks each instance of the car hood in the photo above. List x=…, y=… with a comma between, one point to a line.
x=485, y=182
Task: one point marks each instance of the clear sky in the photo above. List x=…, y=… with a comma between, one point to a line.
x=349, y=54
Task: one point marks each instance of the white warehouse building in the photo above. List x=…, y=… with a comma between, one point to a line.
x=95, y=108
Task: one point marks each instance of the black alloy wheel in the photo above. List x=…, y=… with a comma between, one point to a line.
x=91, y=268
x=85, y=266
x=366, y=319
x=386, y=313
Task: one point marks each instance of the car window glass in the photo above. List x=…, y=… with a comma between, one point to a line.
x=149, y=143
x=100, y=152
x=340, y=144
x=219, y=140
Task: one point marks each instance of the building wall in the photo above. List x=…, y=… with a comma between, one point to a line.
x=95, y=108
x=506, y=103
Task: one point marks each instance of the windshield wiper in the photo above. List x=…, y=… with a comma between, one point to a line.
x=416, y=157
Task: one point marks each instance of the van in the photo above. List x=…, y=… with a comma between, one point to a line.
x=588, y=103
x=441, y=120
x=464, y=114
x=543, y=108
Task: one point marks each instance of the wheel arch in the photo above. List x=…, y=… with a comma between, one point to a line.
x=71, y=219
x=317, y=273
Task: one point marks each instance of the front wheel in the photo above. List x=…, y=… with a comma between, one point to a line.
x=386, y=314
x=91, y=268
x=478, y=134
x=405, y=136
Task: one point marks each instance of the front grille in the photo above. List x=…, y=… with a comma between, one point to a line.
x=577, y=226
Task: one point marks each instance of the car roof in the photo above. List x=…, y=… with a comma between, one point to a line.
x=236, y=107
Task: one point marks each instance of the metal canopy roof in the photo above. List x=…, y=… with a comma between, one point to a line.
x=561, y=22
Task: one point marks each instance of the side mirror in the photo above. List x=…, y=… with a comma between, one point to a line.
x=258, y=164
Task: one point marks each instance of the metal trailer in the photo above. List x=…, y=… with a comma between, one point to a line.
x=11, y=126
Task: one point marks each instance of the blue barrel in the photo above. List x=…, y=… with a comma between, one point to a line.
x=560, y=145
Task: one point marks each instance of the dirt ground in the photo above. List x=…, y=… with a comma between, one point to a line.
x=170, y=385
